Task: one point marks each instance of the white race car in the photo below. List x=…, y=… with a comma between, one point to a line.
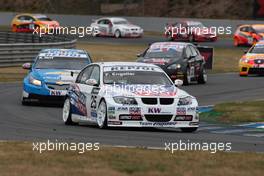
x=128, y=94
x=116, y=27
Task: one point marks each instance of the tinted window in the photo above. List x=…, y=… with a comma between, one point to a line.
x=194, y=52
x=188, y=52
x=61, y=63
x=84, y=75
x=95, y=74
x=164, y=52
x=257, y=49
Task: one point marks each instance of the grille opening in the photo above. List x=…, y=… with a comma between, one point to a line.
x=158, y=118
x=244, y=69
x=58, y=87
x=256, y=71
x=151, y=101
x=166, y=101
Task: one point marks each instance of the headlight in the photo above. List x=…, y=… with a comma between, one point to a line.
x=185, y=101
x=125, y=100
x=34, y=81
x=174, y=66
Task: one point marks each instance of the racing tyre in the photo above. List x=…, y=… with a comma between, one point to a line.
x=117, y=34
x=189, y=130
x=25, y=102
x=187, y=77
x=102, y=115
x=202, y=78
x=66, y=113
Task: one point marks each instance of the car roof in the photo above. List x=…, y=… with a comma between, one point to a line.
x=116, y=63
x=113, y=18
x=32, y=15
x=172, y=43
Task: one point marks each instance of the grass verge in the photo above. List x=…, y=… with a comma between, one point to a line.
x=237, y=112
x=226, y=60
x=17, y=158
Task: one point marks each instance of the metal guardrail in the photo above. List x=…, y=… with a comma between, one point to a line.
x=17, y=48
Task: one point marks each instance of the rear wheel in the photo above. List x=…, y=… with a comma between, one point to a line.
x=189, y=130
x=102, y=115
x=202, y=78
x=66, y=113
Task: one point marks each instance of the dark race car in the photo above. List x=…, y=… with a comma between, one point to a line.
x=179, y=60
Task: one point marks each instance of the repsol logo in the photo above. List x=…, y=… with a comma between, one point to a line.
x=154, y=110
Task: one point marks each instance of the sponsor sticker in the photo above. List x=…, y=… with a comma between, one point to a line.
x=135, y=110
x=153, y=124
x=181, y=111
x=57, y=92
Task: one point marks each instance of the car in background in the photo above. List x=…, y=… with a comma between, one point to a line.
x=51, y=74
x=178, y=59
x=116, y=27
x=129, y=94
x=252, y=62
x=192, y=31
x=28, y=22
x=247, y=35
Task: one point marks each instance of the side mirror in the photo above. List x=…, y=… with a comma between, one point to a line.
x=91, y=82
x=139, y=55
x=178, y=82
x=27, y=66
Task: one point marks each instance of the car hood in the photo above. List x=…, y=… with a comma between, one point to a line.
x=143, y=91
x=54, y=76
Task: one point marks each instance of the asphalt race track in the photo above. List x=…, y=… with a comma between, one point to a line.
x=221, y=43
x=39, y=123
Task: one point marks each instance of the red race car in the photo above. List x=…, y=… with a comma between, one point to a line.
x=248, y=34
x=192, y=31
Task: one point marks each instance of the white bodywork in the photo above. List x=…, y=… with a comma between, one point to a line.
x=117, y=27
x=142, y=114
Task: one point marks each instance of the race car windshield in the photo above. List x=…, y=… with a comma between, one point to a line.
x=136, y=77
x=258, y=49
x=61, y=63
x=121, y=22
x=168, y=53
x=259, y=29
x=44, y=19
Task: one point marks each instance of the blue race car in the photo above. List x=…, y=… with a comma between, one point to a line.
x=51, y=74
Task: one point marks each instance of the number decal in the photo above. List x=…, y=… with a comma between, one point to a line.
x=93, y=102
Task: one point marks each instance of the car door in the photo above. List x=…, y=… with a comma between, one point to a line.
x=92, y=91
x=103, y=26
x=80, y=93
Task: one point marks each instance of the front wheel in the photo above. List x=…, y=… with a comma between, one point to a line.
x=102, y=115
x=66, y=113
x=117, y=34
x=189, y=130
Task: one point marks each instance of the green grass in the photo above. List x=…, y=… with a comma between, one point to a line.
x=237, y=112
x=18, y=159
